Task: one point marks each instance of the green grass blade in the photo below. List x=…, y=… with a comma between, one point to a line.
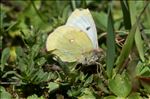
x=139, y=44
x=127, y=47
x=126, y=14
x=128, y=43
x=110, y=45
x=138, y=39
x=73, y=4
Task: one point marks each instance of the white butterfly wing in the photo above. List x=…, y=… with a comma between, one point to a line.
x=83, y=20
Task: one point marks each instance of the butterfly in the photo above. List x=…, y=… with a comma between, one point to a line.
x=76, y=40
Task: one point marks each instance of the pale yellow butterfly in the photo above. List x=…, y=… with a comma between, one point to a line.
x=76, y=40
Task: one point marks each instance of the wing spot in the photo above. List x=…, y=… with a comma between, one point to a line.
x=71, y=41
x=88, y=28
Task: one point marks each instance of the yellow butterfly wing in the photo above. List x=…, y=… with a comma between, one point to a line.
x=69, y=43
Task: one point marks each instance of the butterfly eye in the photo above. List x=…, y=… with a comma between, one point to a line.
x=88, y=28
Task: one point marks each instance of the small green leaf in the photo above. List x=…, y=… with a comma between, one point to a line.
x=52, y=86
x=74, y=92
x=110, y=97
x=35, y=97
x=120, y=85
x=4, y=94
x=87, y=94
x=135, y=96
x=35, y=50
x=4, y=57
x=40, y=61
x=10, y=73
x=142, y=70
x=88, y=80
